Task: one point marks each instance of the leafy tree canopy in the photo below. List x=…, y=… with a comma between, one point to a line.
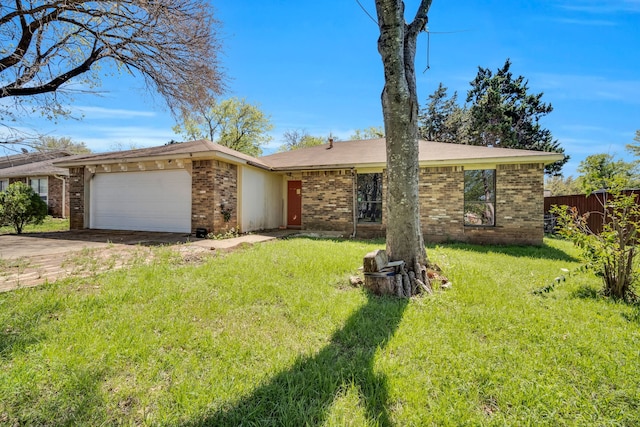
x=635, y=148
x=299, y=138
x=20, y=205
x=604, y=172
x=51, y=143
x=372, y=132
x=232, y=122
x=561, y=186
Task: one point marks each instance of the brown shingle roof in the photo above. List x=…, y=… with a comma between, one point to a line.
x=31, y=157
x=373, y=153
x=42, y=168
x=199, y=149
x=366, y=153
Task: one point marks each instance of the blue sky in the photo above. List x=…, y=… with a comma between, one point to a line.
x=315, y=66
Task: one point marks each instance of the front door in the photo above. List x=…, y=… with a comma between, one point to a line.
x=294, y=204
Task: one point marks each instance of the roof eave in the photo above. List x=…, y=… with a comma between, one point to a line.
x=201, y=155
x=546, y=159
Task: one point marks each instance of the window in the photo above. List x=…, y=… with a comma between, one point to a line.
x=4, y=183
x=480, y=197
x=369, y=198
x=41, y=187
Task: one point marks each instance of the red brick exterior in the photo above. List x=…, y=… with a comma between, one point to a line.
x=214, y=185
x=76, y=199
x=56, y=198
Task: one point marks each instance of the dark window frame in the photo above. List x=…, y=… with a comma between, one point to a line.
x=479, y=198
x=369, y=198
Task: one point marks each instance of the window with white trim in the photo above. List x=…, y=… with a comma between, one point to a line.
x=369, y=198
x=480, y=197
x=41, y=187
x=4, y=183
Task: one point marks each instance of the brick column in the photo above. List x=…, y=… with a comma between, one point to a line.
x=76, y=199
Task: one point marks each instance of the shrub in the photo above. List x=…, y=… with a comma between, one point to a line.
x=611, y=253
x=20, y=205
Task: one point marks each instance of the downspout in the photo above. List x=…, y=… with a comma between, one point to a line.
x=64, y=193
x=355, y=203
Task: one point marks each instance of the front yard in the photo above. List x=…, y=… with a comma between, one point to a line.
x=49, y=224
x=273, y=334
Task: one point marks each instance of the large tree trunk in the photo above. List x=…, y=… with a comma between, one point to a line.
x=397, y=47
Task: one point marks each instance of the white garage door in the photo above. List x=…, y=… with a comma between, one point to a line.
x=144, y=201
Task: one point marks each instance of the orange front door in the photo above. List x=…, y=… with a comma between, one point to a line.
x=294, y=204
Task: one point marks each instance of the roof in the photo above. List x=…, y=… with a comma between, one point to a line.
x=343, y=154
x=41, y=168
x=372, y=153
x=30, y=157
x=200, y=149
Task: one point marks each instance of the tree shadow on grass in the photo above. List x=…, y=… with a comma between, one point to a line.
x=303, y=394
x=540, y=252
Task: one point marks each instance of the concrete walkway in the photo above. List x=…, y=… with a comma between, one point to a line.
x=33, y=259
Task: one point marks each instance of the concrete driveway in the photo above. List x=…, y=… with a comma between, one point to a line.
x=42, y=244
x=34, y=258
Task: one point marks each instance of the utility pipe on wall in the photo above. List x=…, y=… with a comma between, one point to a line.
x=355, y=202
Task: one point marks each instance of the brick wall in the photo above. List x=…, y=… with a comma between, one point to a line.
x=214, y=184
x=76, y=199
x=225, y=196
x=442, y=203
x=56, y=198
x=327, y=200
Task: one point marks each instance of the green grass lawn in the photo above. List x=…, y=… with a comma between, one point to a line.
x=49, y=224
x=274, y=335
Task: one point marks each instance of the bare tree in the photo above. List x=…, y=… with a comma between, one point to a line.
x=46, y=44
x=397, y=47
x=299, y=138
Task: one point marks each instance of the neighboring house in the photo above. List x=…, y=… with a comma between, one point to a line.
x=38, y=171
x=467, y=193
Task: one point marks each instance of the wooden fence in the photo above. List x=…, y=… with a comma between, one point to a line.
x=593, y=203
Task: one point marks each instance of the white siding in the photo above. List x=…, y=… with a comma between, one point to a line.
x=261, y=200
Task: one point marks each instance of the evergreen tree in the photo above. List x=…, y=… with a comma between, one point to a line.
x=442, y=120
x=500, y=112
x=504, y=114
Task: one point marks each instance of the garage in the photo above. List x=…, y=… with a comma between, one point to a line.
x=145, y=201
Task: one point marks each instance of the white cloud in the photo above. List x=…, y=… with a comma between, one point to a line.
x=601, y=7
x=588, y=87
x=583, y=128
x=108, y=138
x=110, y=113
x=586, y=22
